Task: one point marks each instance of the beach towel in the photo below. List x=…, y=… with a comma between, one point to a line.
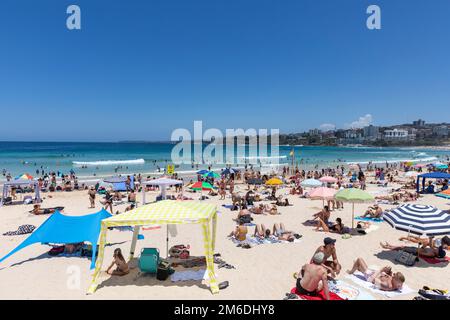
x=359, y=279
x=201, y=274
x=436, y=260
x=320, y=295
x=348, y=292
x=228, y=206
x=23, y=229
x=368, y=219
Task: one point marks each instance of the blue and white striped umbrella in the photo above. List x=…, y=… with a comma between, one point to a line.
x=419, y=219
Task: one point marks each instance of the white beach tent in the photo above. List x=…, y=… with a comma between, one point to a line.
x=20, y=183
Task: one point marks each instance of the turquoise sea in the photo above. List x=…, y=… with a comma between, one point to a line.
x=103, y=159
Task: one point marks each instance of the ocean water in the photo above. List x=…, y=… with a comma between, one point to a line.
x=104, y=159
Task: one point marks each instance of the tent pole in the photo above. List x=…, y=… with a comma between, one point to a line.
x=167, y=241
x=134, y=241
x=353, y=215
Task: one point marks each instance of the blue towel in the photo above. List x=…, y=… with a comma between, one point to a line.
x=369, y=219
x=228, y=206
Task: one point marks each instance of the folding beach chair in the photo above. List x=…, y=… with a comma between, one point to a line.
x=149, y=260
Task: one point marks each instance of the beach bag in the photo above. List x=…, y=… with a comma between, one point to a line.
x=164, y=270
x=406, y=258
x=179, y=251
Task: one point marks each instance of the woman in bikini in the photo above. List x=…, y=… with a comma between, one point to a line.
x=122, y=266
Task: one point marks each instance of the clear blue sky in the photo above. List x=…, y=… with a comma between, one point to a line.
x=140, y=68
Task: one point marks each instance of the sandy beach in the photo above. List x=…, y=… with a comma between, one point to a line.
x=262, y=272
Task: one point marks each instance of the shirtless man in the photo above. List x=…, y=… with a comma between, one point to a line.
x=329, y=250
x=313, y=277
x=384, y=279
x=374, y=212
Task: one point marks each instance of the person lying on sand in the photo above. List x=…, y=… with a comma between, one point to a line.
x=384, y=279
x=122, y=266
x=37, y=210
x=313, y=277
x=271, y=209
x=329, y=250
x=262, y=232
x=428, y=251
x=374, y=211
x=282, y=203
x=282, y=234
x=257, y=210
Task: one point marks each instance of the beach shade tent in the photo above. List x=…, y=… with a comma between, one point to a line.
x=60, y=228
x=165, y=212
x=24, y=176
x=311, y=183
x=20, y=183
x=211, y=174
x=431, y=175
x=353, y=195
x=328, y=179
x=419, y=219
x=119, y=183
x=274, y=182
x=444, y=194
x=255, y=181
x=322, y=193
x=162, y=183
x=441, y=167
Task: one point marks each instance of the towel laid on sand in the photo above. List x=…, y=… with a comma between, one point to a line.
x=368, y=219
x=436, y=260
x=348, y=292
x=201, y=274
x=320, y=295
x=23, y=229
x=252, y=240
x=358, y=278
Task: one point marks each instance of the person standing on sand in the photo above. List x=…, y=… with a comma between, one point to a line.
x=91, y=194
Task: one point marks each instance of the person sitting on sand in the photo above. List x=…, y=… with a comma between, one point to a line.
x=117, y=196
x=384, y=279
x=329, y=250
x=313, y=277
x=122, y=266
x=430, y=187
x=72, y=247
x=37, y=210
x=132, y=197
x=374, y=212
x=282, y=203
x=428, y=251
x=337, y=227
x=240, y=233
x=322, y=217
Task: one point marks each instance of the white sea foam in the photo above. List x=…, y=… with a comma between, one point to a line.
x=428, y=159
x=108, y=162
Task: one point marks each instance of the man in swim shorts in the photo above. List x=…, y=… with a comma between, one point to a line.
x=313, y=277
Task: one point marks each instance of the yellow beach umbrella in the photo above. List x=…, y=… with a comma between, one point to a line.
x=274, y=182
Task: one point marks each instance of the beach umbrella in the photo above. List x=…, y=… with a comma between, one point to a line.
x=255, y=181
x=420, y=165
x=419, y=219
x=201, y=185
x=322, y=193
x=24, y=176
x=211, y=174
x=353, y=195
x=312, y=183
x=227, y=171
x=328, y=179
x=441, y=166
x=202, y=171
x=274, y=182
